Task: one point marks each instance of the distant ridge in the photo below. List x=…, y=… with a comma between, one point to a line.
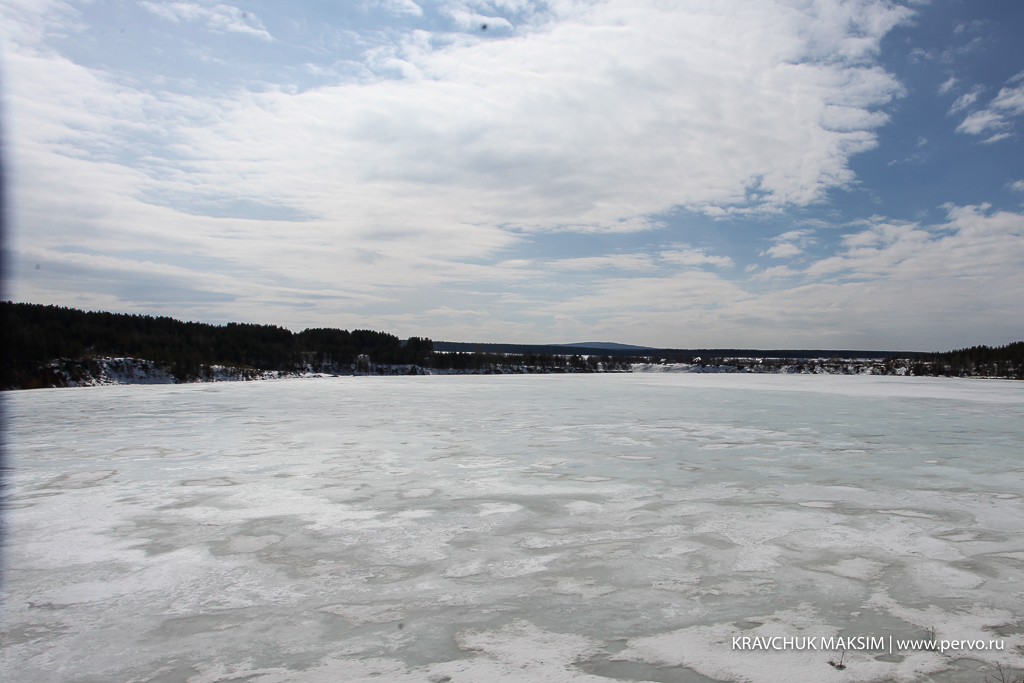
x=619, y=350
x=609, y=345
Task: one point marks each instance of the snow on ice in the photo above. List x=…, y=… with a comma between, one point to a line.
x=576, y=528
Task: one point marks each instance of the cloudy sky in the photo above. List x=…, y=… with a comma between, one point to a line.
x=679, y=173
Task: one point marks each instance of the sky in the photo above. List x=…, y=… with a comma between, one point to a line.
x=684, y=174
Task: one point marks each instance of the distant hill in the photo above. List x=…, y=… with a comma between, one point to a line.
x=609, y=345
x=677, y=355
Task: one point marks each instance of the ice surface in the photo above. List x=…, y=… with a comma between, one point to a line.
x=511, y=528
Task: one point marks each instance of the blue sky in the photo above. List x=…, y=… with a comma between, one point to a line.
x=736, y=173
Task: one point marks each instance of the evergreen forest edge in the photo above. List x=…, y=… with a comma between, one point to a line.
x=36, y=336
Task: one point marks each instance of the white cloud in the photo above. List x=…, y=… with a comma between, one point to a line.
x=467, y=19
x=686, y=256
x=982, y=121
x=947, y=85
x=618, y=111
x=1017, y=186
x=614, y=262
x=892, y=286
x=973, y=248
x=1010, y=100
x=414, y=186
x=966, y=100
x=221, y=18
x=682, y=255
x=471, y=14
x=800, y=234
x=624, y=298
x=996, y=115
x=776, y=273
x=789, y=244
x=784, y=250
x=996, y=138
x=400, y=7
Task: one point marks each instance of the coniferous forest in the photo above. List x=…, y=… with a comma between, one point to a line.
x=38, y=334
x=44, y=343
x=53, y=346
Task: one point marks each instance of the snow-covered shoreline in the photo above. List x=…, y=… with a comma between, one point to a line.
x=116, y=371
x=104, y=371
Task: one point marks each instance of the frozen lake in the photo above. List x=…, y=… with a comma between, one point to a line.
x=512, y=528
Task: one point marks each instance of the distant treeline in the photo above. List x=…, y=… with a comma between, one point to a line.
x=480, y=362
x=977, y=361
x=34, y=336
x=674, y=354
x=981, y=361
